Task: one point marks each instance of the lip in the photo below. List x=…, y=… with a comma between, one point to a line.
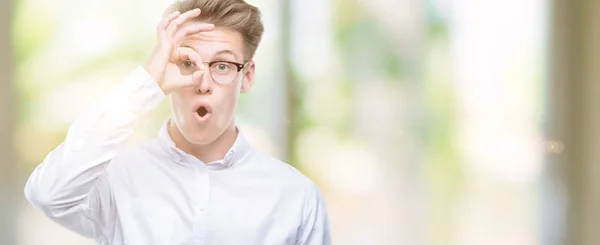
x=208, y=108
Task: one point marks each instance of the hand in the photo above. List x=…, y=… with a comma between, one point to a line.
x=171, y=32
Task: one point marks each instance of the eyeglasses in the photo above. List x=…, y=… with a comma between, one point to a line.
x=220, y=71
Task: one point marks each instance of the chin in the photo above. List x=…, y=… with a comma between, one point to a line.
x=201, y=138
x=205, y=134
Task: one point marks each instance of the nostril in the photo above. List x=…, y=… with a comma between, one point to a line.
x=203, y=91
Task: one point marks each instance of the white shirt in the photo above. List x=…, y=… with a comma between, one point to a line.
x=154, y=193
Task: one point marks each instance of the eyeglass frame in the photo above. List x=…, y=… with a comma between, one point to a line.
x=239, y=67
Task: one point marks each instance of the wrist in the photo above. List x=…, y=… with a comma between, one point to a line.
x=165, y=90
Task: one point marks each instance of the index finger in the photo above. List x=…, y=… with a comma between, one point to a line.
x=191, y=29
x=166, y=20
x=186, y=53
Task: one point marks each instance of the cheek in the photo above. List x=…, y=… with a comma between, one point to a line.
x=179, y=104
x=229, y=103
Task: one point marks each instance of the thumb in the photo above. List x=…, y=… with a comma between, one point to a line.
x=197, y=76
x=194, y=80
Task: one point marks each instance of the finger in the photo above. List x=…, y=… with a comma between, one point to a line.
x=165, y=22
x=183, y=54
x=186, y=16
x=175, y=56
x=197, y=77
x=192, y=80
x=193, y=56
x=174, y=24
x=191, y=29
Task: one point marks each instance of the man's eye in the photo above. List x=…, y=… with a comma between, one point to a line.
x=187, y=64
x=222, y=67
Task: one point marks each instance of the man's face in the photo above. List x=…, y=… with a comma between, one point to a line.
x=203, y=112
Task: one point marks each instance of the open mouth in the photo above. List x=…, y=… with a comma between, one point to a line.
x=202, y=111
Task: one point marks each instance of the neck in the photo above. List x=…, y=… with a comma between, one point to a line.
x=206, y=153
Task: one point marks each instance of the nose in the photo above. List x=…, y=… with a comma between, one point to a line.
x=203, y=81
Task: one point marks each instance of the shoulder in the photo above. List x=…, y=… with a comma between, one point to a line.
x=134, y=156
x=147, y=148
x=282, y=173
x=275, y=166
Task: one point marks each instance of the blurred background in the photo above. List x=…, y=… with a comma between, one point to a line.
x=424, y=122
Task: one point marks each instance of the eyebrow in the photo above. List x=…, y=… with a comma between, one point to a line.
x=227, y=52
x=221, y=52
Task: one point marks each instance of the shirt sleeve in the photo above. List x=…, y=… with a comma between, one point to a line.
x=315, y=225
x=70, y=186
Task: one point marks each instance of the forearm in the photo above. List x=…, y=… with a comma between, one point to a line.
x=68, y=173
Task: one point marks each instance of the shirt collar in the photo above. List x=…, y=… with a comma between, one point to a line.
x=237, y=151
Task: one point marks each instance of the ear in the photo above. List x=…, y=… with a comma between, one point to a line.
x=248, y=80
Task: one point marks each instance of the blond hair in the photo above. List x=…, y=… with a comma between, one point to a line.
x=236, y=15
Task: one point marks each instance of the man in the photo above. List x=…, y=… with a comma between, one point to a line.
x=199, y=182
